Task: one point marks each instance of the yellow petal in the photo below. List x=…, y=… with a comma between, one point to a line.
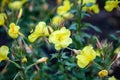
x=82, y=61
x=4, y=50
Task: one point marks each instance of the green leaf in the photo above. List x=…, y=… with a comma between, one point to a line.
x=92, y=26
x=73, y=26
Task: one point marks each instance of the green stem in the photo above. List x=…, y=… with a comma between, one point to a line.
x=80, y=15
x=16, y=75
x=99, y=66
x=24, y=75
x=30, y=67
x=17, y=65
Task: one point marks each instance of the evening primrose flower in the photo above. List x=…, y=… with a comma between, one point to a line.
x=110, y=5
x=13, y=32
x=95, y=8
x=4, y=50
x=2, y=18
x=64, y=8
x=40, y=30
x=16, y=5
x=86, y=56
x=103, y=73
x=60, y=38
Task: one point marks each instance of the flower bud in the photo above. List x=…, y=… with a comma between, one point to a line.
x=43, y=59
x=20, y=13
x=24, y=60
x=103, y=73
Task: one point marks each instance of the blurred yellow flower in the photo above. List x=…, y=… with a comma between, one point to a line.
x=57, y=20
x=103, y=73
x=24, y=60
x=110, y=5
x=64, y=8
x=2, y=18
x=16, y=5
x=86, y=56
x=60, y=38
x=13, y=32
x=40, y=30
x=4, y=50
x=95, y=8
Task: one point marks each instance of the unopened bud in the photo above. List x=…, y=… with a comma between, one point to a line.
x=59, y=2
x=76, y=51
x=99, y=44
x=43, y=59
x=103, y=73
x=24, y=60
x=20, y=13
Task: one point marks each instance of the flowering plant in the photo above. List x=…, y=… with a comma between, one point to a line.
x=49, y=41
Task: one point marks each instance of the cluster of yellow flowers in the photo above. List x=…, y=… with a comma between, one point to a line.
x=61, y=38
x=86, y=56
x=109, y=5
x=62, y=13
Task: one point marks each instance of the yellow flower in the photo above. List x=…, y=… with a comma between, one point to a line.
x=60, y=38
x=2, y=19
x=86, y=56
x=103, y=73
x=64, y=8
x=13, y=31
x=110, y=5
x=95, y=8
x=41, y=30
x=57, y=20
x=24, y=60
x=4, y=50
x=16, y=5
